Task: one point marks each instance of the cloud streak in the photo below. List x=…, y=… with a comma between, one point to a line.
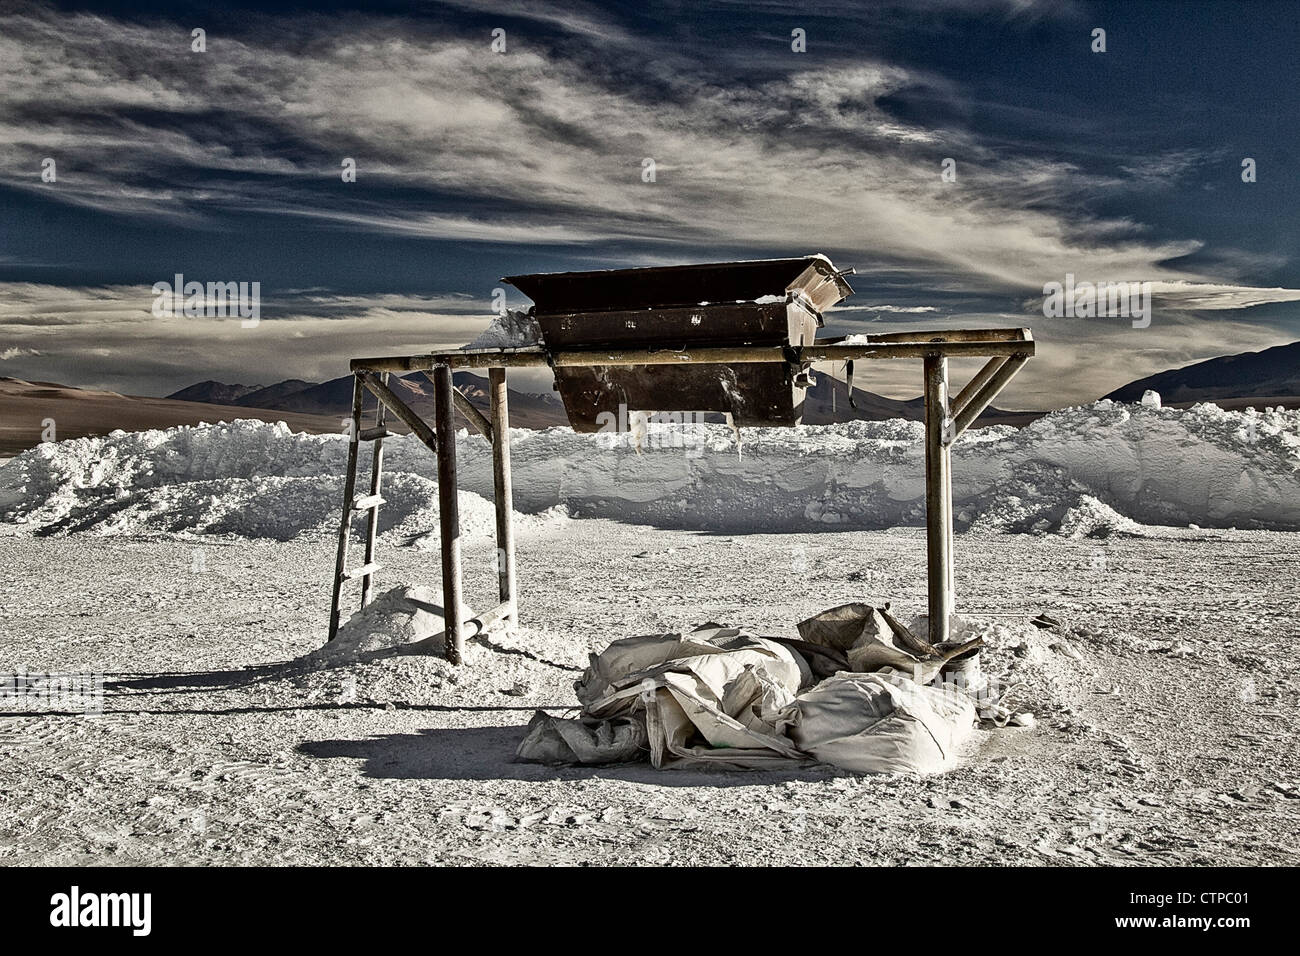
x=543, y=147
x=108, y=337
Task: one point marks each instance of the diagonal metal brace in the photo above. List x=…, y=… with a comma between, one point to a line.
x=977, y=382
x=971, y=402
x=468, y=410
x=399, y=408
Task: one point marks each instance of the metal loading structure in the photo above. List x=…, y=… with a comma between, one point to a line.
x=737, y=338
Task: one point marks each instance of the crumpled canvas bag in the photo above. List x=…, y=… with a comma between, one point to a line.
x=720, y=697
x=880, y=723
x=868, y=642
x=712, y=697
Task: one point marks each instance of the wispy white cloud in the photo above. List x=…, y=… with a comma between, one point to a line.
x=894, y=309
x=552, y=145
x=1217, y=295
x=1183, y=296
x=108, y=336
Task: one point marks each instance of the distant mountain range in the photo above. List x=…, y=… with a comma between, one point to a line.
x=214, y=393
x=334, y=398
x=1272, y=373
x=1270, y=377
x=827, y=401
x=26, y=408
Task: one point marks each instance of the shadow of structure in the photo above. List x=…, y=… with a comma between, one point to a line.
x=487, y=753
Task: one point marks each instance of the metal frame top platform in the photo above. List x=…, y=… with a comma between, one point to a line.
x=1007, y=350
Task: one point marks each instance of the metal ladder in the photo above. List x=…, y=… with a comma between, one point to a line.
x=354, y=504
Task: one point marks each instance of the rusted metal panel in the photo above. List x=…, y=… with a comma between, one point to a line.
x=750, y=323
x=755, y=393
x=599, y=397
x=775, y=303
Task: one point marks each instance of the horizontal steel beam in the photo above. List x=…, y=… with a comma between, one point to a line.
x=917, y=345
x=530, y=358
x=899, y=350
x=948, y=335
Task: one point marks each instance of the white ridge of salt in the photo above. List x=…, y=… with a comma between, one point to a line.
x=1087, y=471
x=514, y=329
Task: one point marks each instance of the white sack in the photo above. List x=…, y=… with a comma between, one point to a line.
x=880, y=723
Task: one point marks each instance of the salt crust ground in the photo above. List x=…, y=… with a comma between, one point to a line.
x=191, y=565
x=1168, y=709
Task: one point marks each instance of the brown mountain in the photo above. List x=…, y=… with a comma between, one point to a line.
x=272, y=395
x=25, y=408
x=214, y=393
x=335, y=398
x=1242, y=379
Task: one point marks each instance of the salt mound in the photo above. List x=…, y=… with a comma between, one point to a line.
x=1044, y=670
x=1090, y=518
x=398, y=618
x=1038, y=498
x=1100, y=469
x=510, y=330
x=244, y=478
x=1094, y=470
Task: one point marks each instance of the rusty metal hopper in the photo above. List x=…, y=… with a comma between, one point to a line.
x=757, y=302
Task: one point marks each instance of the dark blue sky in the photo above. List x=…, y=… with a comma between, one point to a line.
x=224, y=165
